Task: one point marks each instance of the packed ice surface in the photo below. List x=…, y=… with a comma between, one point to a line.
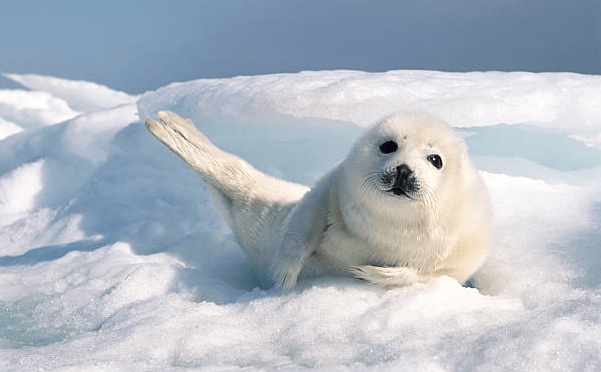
x=113, y=257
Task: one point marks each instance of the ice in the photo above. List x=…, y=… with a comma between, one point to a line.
x=8, y=128
x=113, y=257
x=535, y=144
x=462, y=99
x=30, y=109
x=18, y=190
x=83, y=96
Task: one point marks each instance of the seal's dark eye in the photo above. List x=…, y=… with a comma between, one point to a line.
x=388, y=147
x=435, y=160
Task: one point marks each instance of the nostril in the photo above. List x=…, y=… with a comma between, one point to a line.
x=403, y=170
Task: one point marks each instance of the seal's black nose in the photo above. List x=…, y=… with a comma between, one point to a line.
x=404, y=180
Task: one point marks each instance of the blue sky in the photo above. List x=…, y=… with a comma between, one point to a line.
x=135, y=45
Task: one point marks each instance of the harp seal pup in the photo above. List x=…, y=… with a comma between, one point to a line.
x=405, y=206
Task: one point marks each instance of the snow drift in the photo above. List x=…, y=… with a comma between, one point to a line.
x=112, y=256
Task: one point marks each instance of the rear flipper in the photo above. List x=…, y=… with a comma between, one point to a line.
x=219, y=169
x=253, y=203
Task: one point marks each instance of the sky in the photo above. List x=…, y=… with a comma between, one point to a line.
x=135, y=45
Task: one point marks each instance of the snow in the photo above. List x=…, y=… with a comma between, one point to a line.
x=82, y=96
x=462, y=99
x=8, y=128
x=18, y=190
x=113, y=257
x=29, y=109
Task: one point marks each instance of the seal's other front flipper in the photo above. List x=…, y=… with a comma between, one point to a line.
x=387, y=276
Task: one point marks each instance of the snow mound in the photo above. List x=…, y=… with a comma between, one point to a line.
x=81, y=96
x=8, y=128
x=113, y=257
x=33, y=109
x=461, y=99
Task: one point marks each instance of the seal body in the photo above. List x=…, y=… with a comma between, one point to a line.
x=406, y=205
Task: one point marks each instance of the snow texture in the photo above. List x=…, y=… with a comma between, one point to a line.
x=113, y=257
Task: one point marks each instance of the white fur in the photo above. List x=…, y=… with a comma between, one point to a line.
x=350, y=223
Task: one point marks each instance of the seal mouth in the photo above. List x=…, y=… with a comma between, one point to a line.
x=397, y=191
